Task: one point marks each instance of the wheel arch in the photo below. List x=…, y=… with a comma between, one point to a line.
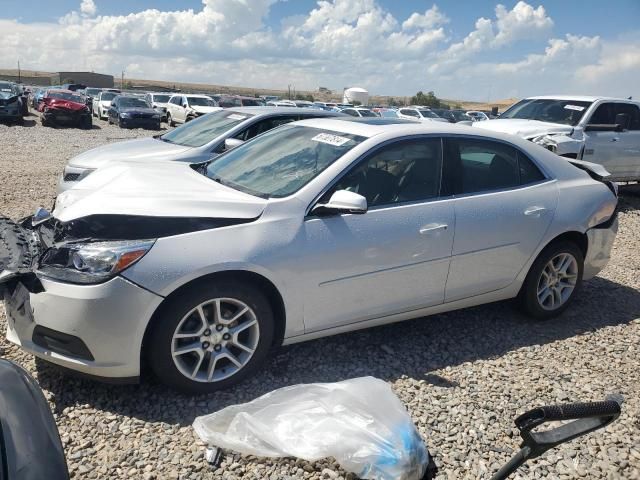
x=573, y=236
x=273, y=295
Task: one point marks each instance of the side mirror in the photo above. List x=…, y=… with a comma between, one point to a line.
x=623, y=120
x=231, y=143
x=342, y=201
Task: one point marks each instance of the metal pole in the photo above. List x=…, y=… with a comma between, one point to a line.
x=19, y=76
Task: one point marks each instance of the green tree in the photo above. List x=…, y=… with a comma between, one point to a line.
x=303, y=96
x=428, y=100
x=68, y=80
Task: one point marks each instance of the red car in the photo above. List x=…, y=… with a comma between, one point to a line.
x=64, y=107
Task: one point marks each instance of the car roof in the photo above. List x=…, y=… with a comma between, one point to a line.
x=61, y=90
x=269, y=110
x=577, y=98
x=197, y=95
x=371, y=129
x=376, y=120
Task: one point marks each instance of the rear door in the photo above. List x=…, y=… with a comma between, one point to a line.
x=503, y=205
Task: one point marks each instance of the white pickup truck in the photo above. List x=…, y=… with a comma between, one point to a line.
x=597, y=129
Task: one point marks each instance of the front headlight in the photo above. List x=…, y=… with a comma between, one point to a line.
x=88, y=263
x=125, y=115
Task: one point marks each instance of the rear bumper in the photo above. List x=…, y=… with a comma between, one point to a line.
x=109, y=319
x=601, y=239
x=140, y=122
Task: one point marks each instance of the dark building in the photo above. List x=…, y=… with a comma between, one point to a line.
x=90, y=79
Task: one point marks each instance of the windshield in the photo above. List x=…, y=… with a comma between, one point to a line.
x=280, y=161
x=201, y=102
x=204, y=129
x=566, y=112
x=161, y=98
x=108, y=96
x=366, y=113
x=250, y=102
x=72, y=97
x=428, y=114
x=92, y=91
x=133, y=102
x=389, y=113
x=460, y=116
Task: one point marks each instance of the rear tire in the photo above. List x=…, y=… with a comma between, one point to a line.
x=552, y=281
x=208, y=340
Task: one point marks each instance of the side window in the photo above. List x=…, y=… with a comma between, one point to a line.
x=604, y=114
x=411, y=113
x=406, y=171
x=350, y=111
x=478, y=165
x=529, y=173
x=632, y=112
x=262, y=126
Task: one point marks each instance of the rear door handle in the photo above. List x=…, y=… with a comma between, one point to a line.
x=432, y=228
x=534, y=211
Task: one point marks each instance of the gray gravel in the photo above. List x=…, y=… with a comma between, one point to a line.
x=463, y=376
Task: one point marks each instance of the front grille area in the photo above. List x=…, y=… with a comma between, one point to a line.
x=71, y=177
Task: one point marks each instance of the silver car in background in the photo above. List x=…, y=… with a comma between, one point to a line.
x=195, y=141
x=311, y=229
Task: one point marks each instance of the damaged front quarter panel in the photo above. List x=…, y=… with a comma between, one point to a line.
x=560, y=143
x=23, y=243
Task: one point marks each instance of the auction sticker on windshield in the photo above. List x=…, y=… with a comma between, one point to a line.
x=235, y=116
x=335, y=140
x=574, y=107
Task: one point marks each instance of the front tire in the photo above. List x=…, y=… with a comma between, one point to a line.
x=211, y=337
x=552, y=281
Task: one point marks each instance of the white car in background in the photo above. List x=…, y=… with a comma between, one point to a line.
x=477, y=115
x=311, y=229
x=420, y=114
x=102, y=103
x=182, y=108
x=359, y=112
x=158, y=102
x=598, y=129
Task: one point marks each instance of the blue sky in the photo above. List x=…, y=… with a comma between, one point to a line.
x=589, y=46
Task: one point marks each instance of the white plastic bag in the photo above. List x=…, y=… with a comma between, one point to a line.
x=359, y=422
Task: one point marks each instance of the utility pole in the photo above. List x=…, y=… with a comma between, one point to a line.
x=19, y=76
x=289, y=88
x=122, y=81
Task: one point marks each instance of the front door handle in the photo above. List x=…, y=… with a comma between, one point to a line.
x=432, y=228
x=615, y=139
x=534, y=211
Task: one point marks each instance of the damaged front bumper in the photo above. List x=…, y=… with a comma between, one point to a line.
x=95, y=329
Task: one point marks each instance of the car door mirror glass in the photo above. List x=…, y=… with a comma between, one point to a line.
x=342, y=201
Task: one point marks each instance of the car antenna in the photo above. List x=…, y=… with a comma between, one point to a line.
x=630, y=97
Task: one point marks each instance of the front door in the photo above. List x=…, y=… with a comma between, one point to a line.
x=392, y=259
x=503, y=208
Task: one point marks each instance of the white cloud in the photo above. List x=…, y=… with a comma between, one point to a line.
x=88, y=8
x=335, y=44
x=433, y=17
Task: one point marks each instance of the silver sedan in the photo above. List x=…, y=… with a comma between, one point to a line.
x=311, y=229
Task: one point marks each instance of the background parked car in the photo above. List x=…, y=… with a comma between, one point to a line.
x=193, y=142
x=359, y=112
x=182, y=108
x=453, y=116
x=229, y=101
x=131, y=112
x=11, y=103
x=421, y=114
x=101, y=105
x=64, y=107
x=159, y=102
x=598, y=129
x=281, y=103
x=477, y=115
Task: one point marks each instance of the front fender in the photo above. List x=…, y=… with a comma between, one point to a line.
x=563, y=145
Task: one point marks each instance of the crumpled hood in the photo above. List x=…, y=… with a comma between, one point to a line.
x=64, y=104
x=522, y=127
x=165, y=189
x=202, y=109
x=138, y=149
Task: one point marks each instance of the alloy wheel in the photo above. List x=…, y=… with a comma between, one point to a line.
x=557, y=281
x=215, y=340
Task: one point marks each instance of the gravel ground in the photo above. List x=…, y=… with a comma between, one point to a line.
x=463, y=376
